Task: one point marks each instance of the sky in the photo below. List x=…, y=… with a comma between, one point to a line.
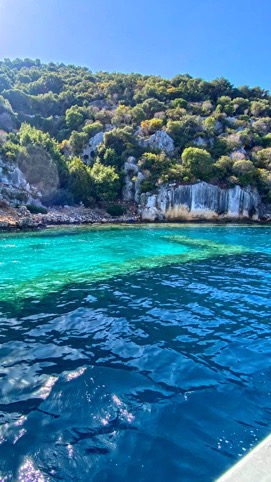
x=204, y=38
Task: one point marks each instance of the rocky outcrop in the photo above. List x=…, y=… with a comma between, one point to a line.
x=7, y=121
x=11, y=174
x=200, y=201
x=265, y=212
x=14, y=188
x=39, y=169
x=90, y=149
x=199, y=142
x=131, y=171
x=158, y=140
x=132, y=181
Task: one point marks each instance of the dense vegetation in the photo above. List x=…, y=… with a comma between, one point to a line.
x=48, y=113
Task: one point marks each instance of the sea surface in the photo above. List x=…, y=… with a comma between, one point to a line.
x=133, y=353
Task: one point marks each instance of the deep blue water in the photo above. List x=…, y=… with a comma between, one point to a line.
x=159, y=372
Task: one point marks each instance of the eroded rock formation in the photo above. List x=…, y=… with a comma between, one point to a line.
x=201, y=201
x=158, y=140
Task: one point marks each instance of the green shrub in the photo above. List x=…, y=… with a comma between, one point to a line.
x=46, y=104
x=106, y=182
x=33, y=209
x=245, y=171
x=179, y=103
x=147, y=186
x=92, y=129
x=197, y=162
x=80, y=183
x=116, y=210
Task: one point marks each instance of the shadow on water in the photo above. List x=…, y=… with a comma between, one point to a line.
x=162, y=373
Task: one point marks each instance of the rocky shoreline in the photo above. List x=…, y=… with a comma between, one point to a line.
x=21, y=219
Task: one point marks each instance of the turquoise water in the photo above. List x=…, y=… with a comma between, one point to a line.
x=133, y=352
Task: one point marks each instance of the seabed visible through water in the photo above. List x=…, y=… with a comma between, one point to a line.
x=133, y=352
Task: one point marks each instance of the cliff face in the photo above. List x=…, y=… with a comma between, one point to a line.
x=200, y=201
x=15, y=190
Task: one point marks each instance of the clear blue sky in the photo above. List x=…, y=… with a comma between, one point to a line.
x=205, y=38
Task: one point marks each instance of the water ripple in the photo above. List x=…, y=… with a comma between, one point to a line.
x=162, y=373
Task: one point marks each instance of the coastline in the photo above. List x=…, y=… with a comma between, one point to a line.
x=22, y=220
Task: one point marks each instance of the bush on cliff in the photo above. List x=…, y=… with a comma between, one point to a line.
x=33, y=209
x=197, y=163
x=116, y=210
x=56, y=109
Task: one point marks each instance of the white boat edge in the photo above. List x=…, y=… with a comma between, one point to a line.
x=253, y=467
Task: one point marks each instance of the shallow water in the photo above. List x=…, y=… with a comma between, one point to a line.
x=133, y=353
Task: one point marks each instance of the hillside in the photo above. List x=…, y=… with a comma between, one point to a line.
x=70, y=136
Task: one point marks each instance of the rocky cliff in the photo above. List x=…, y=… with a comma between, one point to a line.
x=15, y=190
x=200, y=201
x=69, y=137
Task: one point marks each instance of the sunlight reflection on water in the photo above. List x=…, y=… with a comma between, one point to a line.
x=156, y=372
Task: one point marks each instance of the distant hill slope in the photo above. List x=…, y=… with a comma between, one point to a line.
x=82, y=137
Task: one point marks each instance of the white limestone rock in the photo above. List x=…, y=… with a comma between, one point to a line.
x=150, y=210
x=199, y=141
x=231, y=119
x=128, y=190
x=6, y=122
x=90, y=149
x=13, y=176
x=131, y=165
x=200, y=201
x=138, y=182
x=14, y=188
x=158, y=140
x=131, y=171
